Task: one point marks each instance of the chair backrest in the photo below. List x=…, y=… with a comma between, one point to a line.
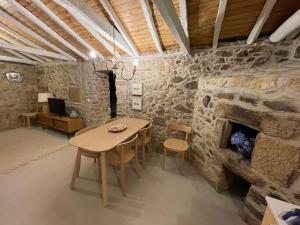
x=150, y=120
x=179, y=127
x=146, y=132
x=128, y=145
x=85, y=130
x=110, y=120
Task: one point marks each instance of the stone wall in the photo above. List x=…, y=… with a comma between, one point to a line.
x=267, y=99
x=16, y=98
x=79, y=86
x=257, y=83
x=170, y=83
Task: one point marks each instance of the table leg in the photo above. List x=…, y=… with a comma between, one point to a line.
x=104, y=178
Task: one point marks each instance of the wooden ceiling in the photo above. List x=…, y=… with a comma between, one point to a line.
x=240, y=17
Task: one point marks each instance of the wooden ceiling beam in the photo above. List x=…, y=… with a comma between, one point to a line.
x=25, y=29
x=12, y=41
x=106, y=5
x=59, y=21
x=35, y=51
x=218, y=23
x=263, y=16
x=44, y=26
x=18, y=60
x=168, y=12
x=89, y=18
x=183, y=16
x=149, y=19
x=288, y=27
x=22, y=39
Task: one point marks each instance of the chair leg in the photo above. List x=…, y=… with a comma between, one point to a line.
x=76, y=169
x=164, y=159
x=143, y=157
x=122, y=178
x=95, y=160
x=137, y=166
x=182, y=163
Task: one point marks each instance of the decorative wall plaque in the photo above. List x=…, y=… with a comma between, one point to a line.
x=14, y=77
x=137, y=89
x=137, y=103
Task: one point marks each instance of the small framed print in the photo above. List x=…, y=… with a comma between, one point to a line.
x=137, y=103
x=137, y=89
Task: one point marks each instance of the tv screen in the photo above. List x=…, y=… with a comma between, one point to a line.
x=57, y=106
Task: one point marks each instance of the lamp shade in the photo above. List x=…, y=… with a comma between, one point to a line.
x=43, y=97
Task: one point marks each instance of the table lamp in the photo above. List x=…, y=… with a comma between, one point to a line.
x=43, y=101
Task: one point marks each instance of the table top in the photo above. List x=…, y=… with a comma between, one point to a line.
x=100, y=139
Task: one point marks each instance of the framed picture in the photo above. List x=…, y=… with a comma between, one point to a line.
x=137, y=103
x=137, y=89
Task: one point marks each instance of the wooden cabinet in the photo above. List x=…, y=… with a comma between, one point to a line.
x=65, y=124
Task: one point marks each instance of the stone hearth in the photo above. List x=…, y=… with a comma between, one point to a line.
x=253, y=101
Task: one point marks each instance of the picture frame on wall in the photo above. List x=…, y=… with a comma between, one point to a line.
x=137, y=89
x=137, y=103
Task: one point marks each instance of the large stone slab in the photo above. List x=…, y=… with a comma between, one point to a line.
x=275, y=159
x=239, y=114
x=279, y=126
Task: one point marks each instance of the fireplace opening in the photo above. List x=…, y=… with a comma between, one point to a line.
x=238, y=187
x=242, y=139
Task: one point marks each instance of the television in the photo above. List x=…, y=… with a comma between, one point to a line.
x=57, y=106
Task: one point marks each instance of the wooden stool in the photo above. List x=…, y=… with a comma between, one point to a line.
x=27, y=117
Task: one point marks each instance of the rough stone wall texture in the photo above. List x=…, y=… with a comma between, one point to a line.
x=16, y=98
x=257, y=85
x=81, y=88
x=265, y=97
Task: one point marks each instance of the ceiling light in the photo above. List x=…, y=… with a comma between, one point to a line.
x=93, y=54
x=135, y=62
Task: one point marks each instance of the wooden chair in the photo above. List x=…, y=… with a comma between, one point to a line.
x=121, y=155
x=110, y=120
x=176, y=145
x=81, y=152
x=145, y=135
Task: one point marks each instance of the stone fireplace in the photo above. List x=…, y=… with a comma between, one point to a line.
x=267, y=105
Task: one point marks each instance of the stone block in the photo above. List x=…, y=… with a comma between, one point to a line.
x=74, y=94
x=279, y=126
x=280, y=106
x=275, y=159
x=250, y=100
x=228, y=96
x=297, y=52
x=239, y=114
x=263, y=83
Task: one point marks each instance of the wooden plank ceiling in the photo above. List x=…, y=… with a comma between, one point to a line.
x=240, y=17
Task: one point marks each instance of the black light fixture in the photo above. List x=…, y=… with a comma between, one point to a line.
x=114, y=64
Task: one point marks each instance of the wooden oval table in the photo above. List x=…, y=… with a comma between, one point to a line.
x=101, y=140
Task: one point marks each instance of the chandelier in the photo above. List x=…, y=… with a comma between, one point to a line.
x=114, y=64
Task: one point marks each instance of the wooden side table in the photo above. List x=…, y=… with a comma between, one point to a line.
x=27, y=117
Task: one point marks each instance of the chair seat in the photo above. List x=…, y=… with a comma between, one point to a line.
x=176, y=144
x=113, y=157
